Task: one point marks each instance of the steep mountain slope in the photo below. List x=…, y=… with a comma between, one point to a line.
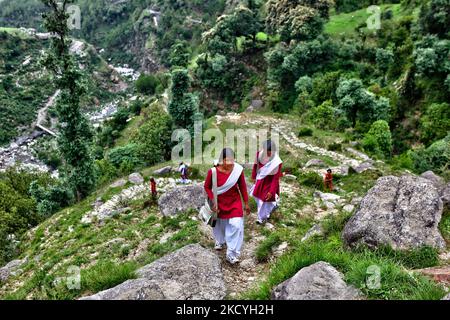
x=133, y=32
x=24, y=81
x=133, y=233
x=368, y=104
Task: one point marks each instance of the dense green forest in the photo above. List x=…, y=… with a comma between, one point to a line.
x=384, y=91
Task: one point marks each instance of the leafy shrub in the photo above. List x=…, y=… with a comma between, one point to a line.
x=378, y=140
x=335, y=147
x=324, y=116
x=384, y=59
x=361, y=105
x=265, y=248
x=311, y=179
x=128, y=153
x=51, y=198
x=403, y=161
x=112, y=128
x=7, y=251
x=436, y=122
x=106, y=171
x=194, y=173
x=304, y=84
x=436, y=157
x=305, y=132
x=154, y=137
x=183, y=104
x=136, y=107
x=146, y=84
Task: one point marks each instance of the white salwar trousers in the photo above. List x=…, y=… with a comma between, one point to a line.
x=231, y=233
x=264, y=209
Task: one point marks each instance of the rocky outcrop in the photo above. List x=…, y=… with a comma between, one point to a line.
x=163, y=171
x=434, y=178
x=329, y=200
x=319, y=281
x=136, y=178
x=191, y=273
x=316, y=230
x=315, y=163
x=445, y=196
x=402, y=212
x=447, y=297
x=255, y=105
x=138, y=289
x=11, y=269
x=182, y=199
x=119, y=183
x=117, y=205
x=362, y=167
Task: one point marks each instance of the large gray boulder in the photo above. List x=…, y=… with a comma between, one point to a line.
x=163, y=171
x=403, y=212
x=315, y=163
x=138, y=289
x=11, y=269
x=438, y=181
x=182, y=199
x=136, y=178
x=191, y=273
x=447, y=297
x=362, y=167
x=319, y=281
x=445, y=196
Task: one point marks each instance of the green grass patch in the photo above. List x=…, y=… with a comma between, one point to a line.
x=311, y=180
x=262, y=36
x=105, y=275
x=346, y=23
x=264, y=250
x=305, y=132
x=396, y=283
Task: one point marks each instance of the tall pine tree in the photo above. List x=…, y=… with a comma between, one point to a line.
x=75, y=135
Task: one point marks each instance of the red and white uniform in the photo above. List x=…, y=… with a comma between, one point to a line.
x=229, y=228
x=230, y=204
x=267, y=173
x=270, y=183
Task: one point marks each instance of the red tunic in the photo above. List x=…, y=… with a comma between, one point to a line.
x=271, y=183
x=329, y=181
x=230, y=203
x=153, y=187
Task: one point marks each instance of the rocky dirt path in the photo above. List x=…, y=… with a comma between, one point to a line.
x=242, y=277
x=21, y=150
x=285, y=128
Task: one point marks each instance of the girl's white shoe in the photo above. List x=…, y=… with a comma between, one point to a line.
x=232, y=260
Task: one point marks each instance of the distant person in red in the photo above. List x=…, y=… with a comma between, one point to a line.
x=266, y=173
x=229, y=229
x=329, y=180
x=153, y=189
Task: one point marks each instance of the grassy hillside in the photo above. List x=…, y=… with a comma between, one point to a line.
x=109, y=252
x=23, y=88
x=345, y=24
x=337, y=93
x=126, y=30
